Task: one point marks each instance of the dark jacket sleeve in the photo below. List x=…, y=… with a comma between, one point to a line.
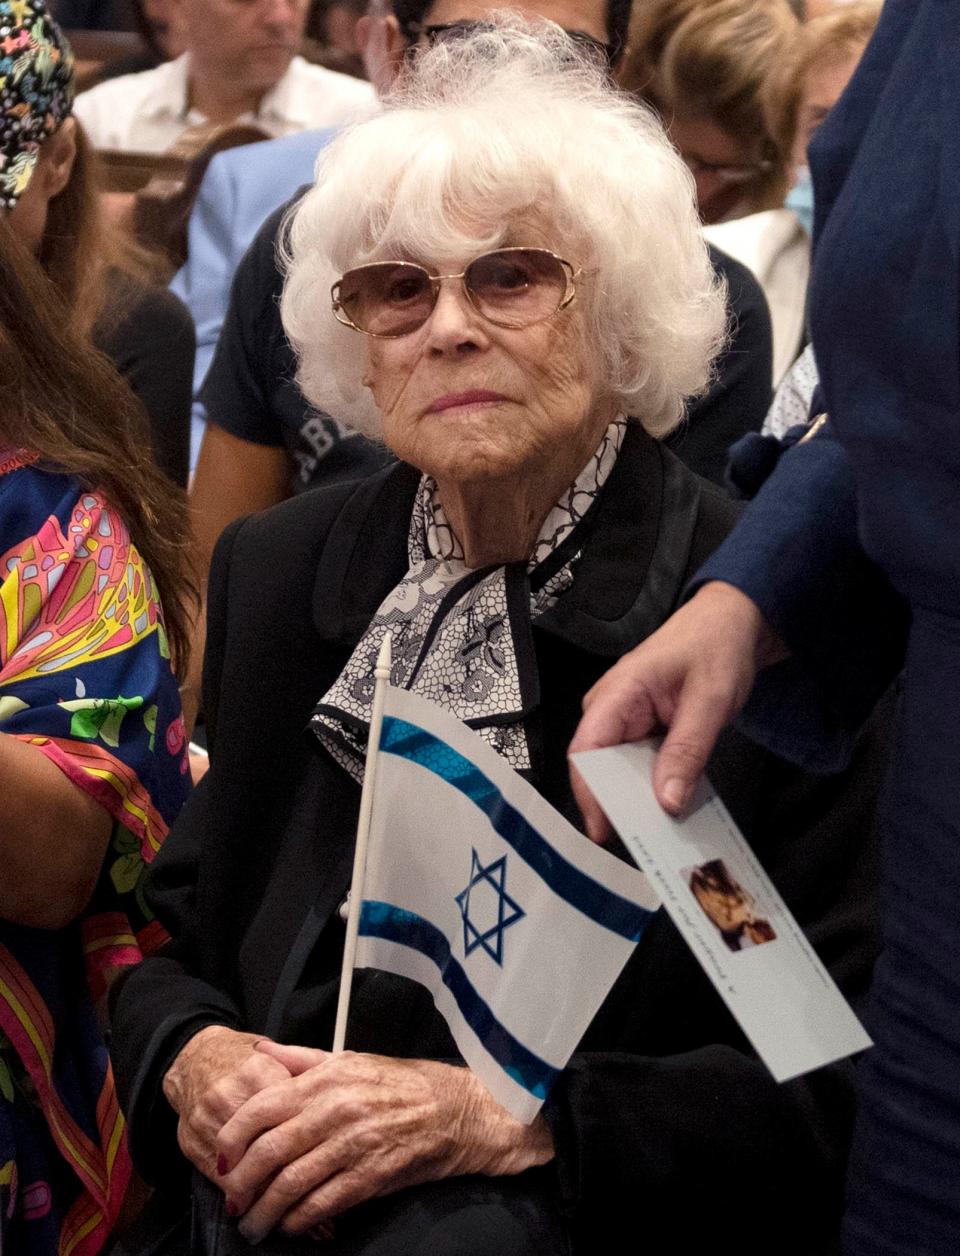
x=796, y=553
x=211, y=867
x=739, y=396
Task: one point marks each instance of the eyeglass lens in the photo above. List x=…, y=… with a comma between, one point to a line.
x=510, y=287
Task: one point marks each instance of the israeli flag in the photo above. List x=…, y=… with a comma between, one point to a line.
x=478, y=889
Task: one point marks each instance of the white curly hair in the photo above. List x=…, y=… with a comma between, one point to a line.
x=514, y=123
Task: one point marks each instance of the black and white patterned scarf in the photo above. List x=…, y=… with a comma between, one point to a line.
x=456, y=631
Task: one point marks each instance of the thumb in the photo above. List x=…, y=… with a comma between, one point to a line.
x=689, y=742
x=295, y=1060
x=594, y=821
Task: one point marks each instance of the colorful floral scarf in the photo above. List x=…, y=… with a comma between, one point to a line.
x=36, y=90
x=85, y=679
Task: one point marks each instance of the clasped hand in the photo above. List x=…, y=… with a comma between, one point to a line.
x=330, y=1131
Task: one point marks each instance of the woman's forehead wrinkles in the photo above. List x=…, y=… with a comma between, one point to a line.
x=438, y=250
x=453, y=217
x=456, y=237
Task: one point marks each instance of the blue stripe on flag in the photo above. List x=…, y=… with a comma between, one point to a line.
x=603, y=906
x=406, y=928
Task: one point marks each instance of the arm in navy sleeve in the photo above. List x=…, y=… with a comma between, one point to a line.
x=796, y=554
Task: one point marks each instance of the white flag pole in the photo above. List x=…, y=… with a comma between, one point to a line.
x=382, y=674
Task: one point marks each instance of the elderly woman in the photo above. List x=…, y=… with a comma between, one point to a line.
x=516, y=265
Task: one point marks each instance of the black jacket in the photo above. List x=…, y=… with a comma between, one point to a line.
x=665, y=1121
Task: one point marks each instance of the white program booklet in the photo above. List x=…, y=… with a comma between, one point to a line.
x=732, y=917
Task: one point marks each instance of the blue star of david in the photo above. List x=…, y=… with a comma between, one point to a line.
x=505, y=909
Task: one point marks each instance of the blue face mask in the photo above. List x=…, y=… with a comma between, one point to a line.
x=800, y=200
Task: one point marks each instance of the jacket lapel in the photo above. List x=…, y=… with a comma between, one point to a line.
x=636, y=555
x=365, y=555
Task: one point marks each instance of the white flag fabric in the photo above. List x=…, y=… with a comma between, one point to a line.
x=481, y=891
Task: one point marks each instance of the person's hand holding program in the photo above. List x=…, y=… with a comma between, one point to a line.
x=691, y=677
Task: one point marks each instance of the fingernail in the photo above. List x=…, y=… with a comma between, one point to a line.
x=322, y=1232
x=675, y=793
x=232, y=1208
x=221, y=1164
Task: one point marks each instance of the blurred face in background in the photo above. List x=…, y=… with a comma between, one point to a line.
x=823, y=85
x=725, y=167
x=340, y=27
x=247, y=43
x=381, y=45
x=166, y=26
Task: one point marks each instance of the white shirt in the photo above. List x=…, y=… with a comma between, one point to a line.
x=147, y=112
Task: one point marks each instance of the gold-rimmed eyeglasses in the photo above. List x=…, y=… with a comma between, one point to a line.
x=511, y=287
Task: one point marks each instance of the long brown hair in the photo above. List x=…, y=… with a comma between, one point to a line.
x=824, y=40
x=80, y=246
x=64, y=401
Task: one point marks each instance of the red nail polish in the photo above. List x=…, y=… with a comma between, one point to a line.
x=232, y=1208
x=221, y=1164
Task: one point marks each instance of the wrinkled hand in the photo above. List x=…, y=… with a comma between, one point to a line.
x=691, y=677
x=216, y=1072
x=349, y=1127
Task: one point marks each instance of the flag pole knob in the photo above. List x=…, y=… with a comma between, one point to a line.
x=384, y=659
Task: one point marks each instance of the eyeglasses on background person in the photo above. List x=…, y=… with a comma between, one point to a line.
x=511, y=287
x=727, y=173
x=706, y=69
x=437, y=32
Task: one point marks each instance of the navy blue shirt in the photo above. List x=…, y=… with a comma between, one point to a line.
x=251, y=390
